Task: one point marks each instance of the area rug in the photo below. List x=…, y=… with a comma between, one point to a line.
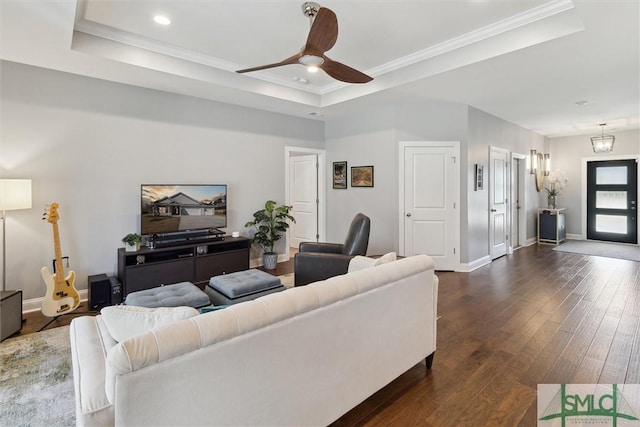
x=603, y=249
x=36, y=382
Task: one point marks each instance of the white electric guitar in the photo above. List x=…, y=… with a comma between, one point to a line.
x=61, y=297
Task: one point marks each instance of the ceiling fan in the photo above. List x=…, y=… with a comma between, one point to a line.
x=322, y=37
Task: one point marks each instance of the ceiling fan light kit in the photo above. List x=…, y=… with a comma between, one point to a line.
x=322, y=37
x=604, y=143
x=311, y=60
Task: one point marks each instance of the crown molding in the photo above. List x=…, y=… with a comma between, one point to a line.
x=509, y=24
x=140, y=42
x=520, y=20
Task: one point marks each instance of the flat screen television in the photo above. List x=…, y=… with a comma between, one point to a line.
x=180, y=208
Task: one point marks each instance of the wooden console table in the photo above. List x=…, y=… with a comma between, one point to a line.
x=185, y=262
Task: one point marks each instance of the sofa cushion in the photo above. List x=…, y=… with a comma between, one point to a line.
x=361, y=262
x=124, y=321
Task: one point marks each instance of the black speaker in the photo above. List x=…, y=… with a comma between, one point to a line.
x=99, y=291
x=116, y=290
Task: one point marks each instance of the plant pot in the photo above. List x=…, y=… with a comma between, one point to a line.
x=552, y=202
x=132, y=248
x=269, y=260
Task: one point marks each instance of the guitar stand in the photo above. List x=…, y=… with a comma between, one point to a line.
x=53, y=319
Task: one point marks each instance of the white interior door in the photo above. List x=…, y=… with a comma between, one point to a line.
x=498, y=202
x=303, y=196
x=429, y=202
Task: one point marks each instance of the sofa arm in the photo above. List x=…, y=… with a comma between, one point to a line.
x=90, y=342
x=333, y=248
x=312, y=267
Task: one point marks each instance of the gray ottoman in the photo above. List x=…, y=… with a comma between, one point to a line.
x=242, y=286
x=176, y=295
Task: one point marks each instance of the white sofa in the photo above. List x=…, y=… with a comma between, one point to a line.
x=304, y=356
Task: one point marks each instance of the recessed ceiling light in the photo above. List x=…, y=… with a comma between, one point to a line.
x=162, y=20
x=581, y=103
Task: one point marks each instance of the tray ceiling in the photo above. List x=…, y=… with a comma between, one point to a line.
x=493, y=55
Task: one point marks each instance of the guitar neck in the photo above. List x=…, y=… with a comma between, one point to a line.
x=59, y=275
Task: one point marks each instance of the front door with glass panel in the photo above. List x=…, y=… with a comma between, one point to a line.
x=612, y=200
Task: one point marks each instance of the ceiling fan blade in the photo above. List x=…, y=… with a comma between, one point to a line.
x=323, y=33
x=291, y=60
x=343, y=72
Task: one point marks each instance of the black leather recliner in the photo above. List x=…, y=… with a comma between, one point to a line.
x=319, y=261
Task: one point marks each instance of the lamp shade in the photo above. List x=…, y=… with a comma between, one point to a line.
x=15, y=194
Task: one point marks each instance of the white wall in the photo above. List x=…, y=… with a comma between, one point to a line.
x=89, y=144
x=568, y=154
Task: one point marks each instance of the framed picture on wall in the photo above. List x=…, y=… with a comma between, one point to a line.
x=479, y=177
x=340, y=175
x=362, y=176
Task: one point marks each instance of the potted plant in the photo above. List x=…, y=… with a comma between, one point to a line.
x=270, y=224
x=132, y=242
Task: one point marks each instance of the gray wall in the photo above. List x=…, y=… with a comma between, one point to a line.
x=439, y=121
x=364, y=140
x=486, y=130
x=373, y=138
x=569, y=153
x=89, y=144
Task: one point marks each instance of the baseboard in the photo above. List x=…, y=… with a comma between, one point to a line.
x=474, y=265
x=574, y=237
x=35, y=304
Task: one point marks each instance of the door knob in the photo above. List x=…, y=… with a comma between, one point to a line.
x=408, y=214
x=493, y=210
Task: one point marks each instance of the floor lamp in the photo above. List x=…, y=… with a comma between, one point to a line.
x=14, y=194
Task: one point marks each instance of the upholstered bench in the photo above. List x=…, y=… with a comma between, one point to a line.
x=176, y=295
x=241, y=286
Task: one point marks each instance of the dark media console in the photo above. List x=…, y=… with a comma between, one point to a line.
x=194, y=260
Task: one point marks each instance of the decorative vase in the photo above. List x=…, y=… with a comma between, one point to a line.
x=552, y=201
x=269, y=260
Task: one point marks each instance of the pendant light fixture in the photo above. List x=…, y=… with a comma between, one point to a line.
x=604, y=143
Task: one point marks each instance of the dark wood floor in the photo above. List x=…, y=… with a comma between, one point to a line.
x=537, y=316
